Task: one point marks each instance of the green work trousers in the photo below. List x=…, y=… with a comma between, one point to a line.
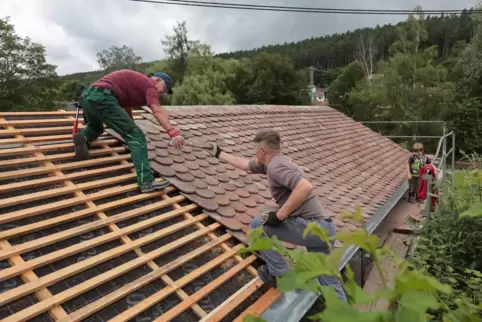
x=100, y=106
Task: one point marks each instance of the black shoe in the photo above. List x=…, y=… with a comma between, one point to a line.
x=81, y=147
x=154, y=186
x=411, y=199
x=266, y=277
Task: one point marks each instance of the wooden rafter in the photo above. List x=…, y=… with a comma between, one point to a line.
x=118, y=189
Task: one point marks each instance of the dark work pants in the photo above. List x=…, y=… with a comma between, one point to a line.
x=100, y=106
x=291, y=231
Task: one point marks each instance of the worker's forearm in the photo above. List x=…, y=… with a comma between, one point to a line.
x=296, y=198
x=235, y=161
x=163, y=120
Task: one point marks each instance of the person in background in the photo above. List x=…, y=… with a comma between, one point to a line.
x=415, y=163
x=110, y=101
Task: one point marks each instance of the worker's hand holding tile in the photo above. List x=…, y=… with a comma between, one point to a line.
x=177, y=140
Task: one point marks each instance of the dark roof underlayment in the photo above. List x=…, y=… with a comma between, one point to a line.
x=79, y=243
x=79, y=233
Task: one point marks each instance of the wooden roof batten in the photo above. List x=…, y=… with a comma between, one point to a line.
x=78, y=241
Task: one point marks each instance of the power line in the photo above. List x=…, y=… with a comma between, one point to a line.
x=224, y=5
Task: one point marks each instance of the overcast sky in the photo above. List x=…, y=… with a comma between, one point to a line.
x=73, y=31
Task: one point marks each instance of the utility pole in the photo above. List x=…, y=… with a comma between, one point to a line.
x=312, y=84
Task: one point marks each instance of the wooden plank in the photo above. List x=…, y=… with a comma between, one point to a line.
x=64, y=190
x=165, y=278
x=156, y=297
x=224, y=246
x=397, y=242
x=30, y=276
x=90, y=262
x=48, y=121
x=61, y=167
x=49, y=147
x=33, y=211
x=56, y=179
x=40, y=130
x=79, y=214
x=36, y=139
x=70, y=293
x=53, y=113
x=66, y=234
x=56, y=157
x=92, y=243
x=258, y=307
x=44, y=138
x=233, y=301
x=203, y=292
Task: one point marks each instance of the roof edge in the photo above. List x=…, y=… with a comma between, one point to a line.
x=252, y=106
x=292, y=306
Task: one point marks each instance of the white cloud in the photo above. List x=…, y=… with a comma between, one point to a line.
x=73, y=31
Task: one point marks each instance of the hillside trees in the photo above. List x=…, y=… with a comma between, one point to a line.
x=200, y=77
x=27, y=81
x=118, y=58
x=409, y=86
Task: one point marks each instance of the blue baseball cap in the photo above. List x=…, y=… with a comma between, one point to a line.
x=166, y=80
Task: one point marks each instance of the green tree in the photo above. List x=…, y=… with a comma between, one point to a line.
x=118, y=58
x=207, y=79
x=25, y=76
x=341, y=87
x=275, y=81
x=412, y=87
x=70, y=90
x=178, y=47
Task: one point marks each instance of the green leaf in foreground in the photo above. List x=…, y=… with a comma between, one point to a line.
x=358, y=295
x=412, y=280
x=252, y=318
x=317, y=230
x=359, y=238
x=474, y=211
x=340, y=311
x=414, y=305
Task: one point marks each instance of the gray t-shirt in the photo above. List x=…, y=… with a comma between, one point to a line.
x=283, y=175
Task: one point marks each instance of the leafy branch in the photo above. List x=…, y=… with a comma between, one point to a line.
x=411, y=295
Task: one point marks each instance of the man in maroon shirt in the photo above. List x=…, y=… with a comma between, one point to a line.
x=110, y=100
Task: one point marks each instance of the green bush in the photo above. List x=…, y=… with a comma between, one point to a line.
x=413, y=295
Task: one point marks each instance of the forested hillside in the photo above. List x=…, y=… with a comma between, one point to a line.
x=332, y=52
x=448, y=33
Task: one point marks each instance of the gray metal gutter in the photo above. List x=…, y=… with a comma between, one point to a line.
x=292, y=306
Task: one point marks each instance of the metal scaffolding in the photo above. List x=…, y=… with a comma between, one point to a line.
x=439, y=159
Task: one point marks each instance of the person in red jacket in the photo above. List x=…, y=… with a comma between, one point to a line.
x=415, y=163
x=110, y=100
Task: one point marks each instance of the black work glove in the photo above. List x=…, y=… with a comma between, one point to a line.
x=215, y=150
x=273, y=220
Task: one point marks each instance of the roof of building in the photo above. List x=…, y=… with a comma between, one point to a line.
x=347, y=163
x=78, y=241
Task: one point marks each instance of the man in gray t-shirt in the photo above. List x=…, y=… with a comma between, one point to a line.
x=297, y=205
x=283, y=177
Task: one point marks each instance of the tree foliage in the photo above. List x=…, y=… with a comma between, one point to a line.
x=414, y=295
x=26, y=79
x=118, y=58
x=178, y=47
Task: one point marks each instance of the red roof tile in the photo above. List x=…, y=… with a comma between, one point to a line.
x=347, y=163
